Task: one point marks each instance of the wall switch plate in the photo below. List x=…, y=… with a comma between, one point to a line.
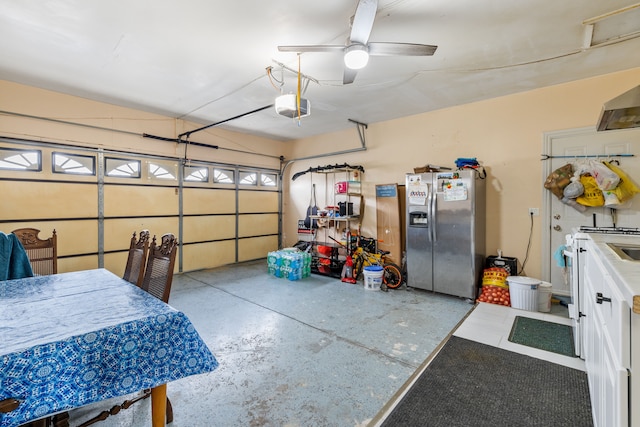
x=534, y=211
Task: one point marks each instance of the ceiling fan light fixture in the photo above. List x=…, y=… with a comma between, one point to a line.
x=356, y=56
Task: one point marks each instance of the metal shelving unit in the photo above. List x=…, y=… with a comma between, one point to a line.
x=343, y=196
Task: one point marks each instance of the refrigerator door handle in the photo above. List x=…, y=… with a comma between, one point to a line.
x=434, y=219
x=430, y=213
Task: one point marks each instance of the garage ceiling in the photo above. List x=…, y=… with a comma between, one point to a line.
x=207, y=60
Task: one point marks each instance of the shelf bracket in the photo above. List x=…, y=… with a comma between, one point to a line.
x=361, y=127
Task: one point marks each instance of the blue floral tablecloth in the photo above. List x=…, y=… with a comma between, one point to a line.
x=73, y=339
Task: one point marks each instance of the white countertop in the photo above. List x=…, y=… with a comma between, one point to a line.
x=625, y=273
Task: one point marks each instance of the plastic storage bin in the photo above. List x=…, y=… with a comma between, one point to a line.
x=523, y=292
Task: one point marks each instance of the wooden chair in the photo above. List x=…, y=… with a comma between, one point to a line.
x=158, y=273
x=137, y=259
x=43, y=254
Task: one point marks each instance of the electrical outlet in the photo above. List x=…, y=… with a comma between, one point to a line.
x=534, y=211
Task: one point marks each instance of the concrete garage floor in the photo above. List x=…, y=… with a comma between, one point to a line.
x=314, y=352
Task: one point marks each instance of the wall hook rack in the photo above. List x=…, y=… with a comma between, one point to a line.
x=605, y=156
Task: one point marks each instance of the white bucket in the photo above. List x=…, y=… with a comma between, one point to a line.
x=544, y=297
x=523, y=292
x=372, y=277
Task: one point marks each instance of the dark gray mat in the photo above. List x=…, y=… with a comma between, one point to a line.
x=543, y=335
x=473, y=384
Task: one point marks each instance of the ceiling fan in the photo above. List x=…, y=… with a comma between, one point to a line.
x=357, y=48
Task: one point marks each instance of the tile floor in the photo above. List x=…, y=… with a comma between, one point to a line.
x=501, y=321
x=314, y=352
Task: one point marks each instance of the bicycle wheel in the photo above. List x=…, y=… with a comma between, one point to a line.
x=392, y=276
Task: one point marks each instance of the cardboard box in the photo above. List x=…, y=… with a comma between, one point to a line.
x=429, y=168
x=389, y=220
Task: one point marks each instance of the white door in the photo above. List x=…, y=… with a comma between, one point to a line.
x=566, y=147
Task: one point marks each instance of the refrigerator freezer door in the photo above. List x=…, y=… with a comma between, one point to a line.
x=418, y=235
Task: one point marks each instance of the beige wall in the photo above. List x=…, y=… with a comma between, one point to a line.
x=505, y=134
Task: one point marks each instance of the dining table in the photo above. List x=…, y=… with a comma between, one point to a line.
x=77, y=338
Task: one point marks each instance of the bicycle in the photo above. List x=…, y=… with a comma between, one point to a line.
x=392, y=276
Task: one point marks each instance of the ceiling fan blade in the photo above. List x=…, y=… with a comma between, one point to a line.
x=349, y=76
x=401, y=49
x=312, y=48
x=363, y=21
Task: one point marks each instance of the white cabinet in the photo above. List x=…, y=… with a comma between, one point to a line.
x=607, y=346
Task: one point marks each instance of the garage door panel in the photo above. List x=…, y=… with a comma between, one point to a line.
x=257, y=201
x=87, y=262
x=118, y=231
x=252, y=225
x=48, y=200
x=256, y=248
x=208, y=201
x=208, y=255
x=129, y=200
x=201, y=228
x=116, y=262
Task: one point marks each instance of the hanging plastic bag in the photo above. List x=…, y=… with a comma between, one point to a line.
x=558, y=179
x=581, y=167
x=605, y=177
x=572, y=202
x=592, y=195
x=626, y=188
x=573, y=190
x=610, y=200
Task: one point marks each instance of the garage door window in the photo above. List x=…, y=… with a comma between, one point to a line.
x=196, y=173
x=26, y=160
x=223, y=176
x=73, y=164
x=122, y=168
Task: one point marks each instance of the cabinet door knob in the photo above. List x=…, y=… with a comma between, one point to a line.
x=600, y=298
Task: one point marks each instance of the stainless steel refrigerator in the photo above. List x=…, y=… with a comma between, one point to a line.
x=445, y=231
